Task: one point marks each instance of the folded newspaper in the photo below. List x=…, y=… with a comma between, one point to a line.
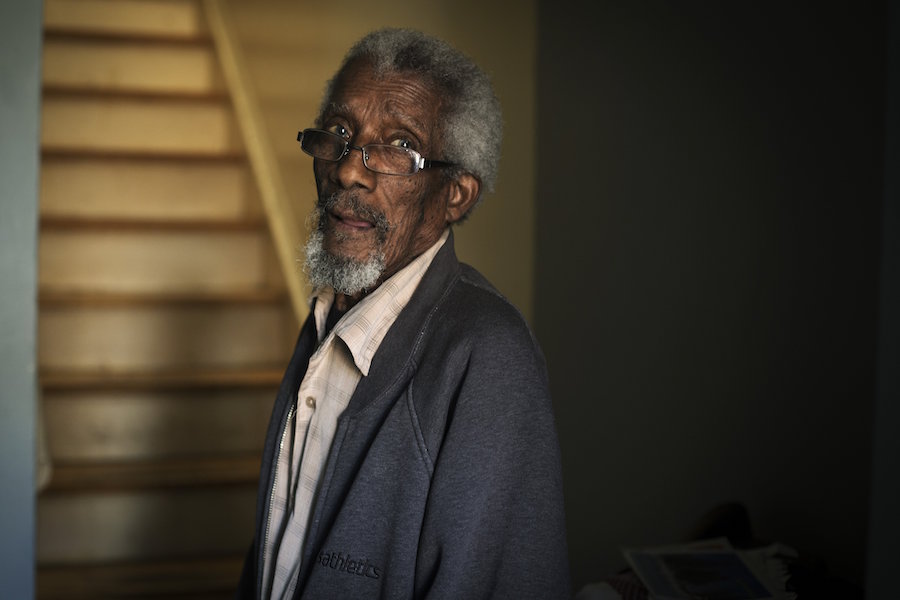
x=709, y=570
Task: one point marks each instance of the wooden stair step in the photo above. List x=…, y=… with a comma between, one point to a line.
x=113, y=186
x=144, y=524
x=51, y=222
x=98, y=65
x=149, y=95
x=160, y=337
x=113, y=424
x=155, y=260
x=96, y=298
x=82, y=379
x=143, y=155
x=150, y=19
x=77, y=122
x=193, y=472
x=214, y=578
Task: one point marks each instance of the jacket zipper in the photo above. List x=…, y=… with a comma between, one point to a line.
x=284, y=431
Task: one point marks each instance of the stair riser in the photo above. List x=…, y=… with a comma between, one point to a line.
x=124, y=526
x=154, y=261
x=110, y=124
x=97, y=188
x=131, y=66
x=198, y=580
x=108, y=426
x=128, y=66
x=148, y=338
x=138, y=17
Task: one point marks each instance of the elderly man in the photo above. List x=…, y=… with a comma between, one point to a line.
x=411, y=451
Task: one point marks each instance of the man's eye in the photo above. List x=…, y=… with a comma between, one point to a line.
x=340, y=130
x=401, y=142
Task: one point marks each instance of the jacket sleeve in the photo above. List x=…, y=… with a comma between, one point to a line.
x=494, y=525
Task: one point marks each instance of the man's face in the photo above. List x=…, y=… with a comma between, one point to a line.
x=365, y=215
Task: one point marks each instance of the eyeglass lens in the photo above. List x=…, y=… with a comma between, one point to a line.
x=391, y=160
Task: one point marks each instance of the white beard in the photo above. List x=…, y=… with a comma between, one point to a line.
x=345, y=275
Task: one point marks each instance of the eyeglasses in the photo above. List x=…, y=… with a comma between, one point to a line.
x=380, y=158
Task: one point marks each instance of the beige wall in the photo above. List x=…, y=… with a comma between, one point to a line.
x=292, y=48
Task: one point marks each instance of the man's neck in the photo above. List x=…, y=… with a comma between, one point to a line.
x=343, y=302
x=334, y=315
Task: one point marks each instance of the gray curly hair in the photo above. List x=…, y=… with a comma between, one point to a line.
x=473, y=124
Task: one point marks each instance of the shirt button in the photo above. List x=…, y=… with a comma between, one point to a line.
x=310, y=402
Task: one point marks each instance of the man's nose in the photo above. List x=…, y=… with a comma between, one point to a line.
x=351, y=169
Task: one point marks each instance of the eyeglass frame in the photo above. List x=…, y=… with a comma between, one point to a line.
x=420, y=162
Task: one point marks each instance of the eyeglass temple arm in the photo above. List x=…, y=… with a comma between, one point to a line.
x=425, y=163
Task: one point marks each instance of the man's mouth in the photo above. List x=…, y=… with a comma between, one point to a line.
x=346, y=214
x=348, y=219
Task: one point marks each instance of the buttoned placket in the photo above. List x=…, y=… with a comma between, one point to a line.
x=306, y=408
x=306, y=403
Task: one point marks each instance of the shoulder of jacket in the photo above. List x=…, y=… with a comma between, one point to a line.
x=473, y=314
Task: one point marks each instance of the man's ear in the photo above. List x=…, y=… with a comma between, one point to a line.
x=464, y=191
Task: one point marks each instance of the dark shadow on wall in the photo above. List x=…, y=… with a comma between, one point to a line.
x=708, y=202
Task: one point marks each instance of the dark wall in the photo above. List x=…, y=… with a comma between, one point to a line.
x=709, y=195
x=884, y=519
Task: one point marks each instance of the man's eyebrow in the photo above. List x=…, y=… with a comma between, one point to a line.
x=333, y=108
x=402, y=117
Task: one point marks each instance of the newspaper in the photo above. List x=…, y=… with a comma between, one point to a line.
x=707, y=570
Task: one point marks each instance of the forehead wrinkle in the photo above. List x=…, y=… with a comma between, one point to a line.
x=390, y=107
x=397, y=113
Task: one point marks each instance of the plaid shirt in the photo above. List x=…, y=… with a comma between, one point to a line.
x=341, y=360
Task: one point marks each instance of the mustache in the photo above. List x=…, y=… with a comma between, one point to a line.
x=350, y=203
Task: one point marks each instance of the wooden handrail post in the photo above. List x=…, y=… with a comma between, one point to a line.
x=286, y=231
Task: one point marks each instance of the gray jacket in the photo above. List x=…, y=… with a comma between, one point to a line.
x=443, y=480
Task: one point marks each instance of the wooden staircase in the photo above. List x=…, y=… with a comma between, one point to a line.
x=164, y=323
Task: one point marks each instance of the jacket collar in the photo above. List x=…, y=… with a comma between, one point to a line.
x=392, y=363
